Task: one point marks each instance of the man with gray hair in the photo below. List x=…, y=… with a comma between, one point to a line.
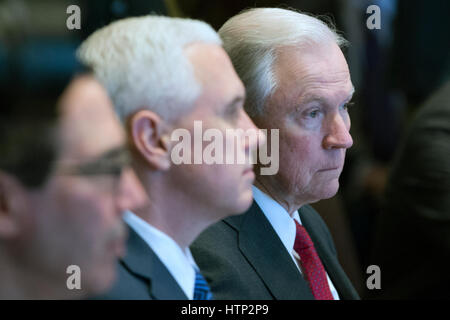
x=166, y=75
x=297, y=81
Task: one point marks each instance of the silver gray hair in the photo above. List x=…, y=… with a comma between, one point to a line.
x=141, y=63
x=252, y=38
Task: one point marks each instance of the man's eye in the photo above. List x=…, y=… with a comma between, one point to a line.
x=347, y=105
x=232, y=113
x=313, y=113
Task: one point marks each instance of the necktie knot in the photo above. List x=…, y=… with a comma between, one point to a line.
x=201, y=288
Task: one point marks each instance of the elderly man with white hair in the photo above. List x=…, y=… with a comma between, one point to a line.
x=166, y=75
x=298, y=82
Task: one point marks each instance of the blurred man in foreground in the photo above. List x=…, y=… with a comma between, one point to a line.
x=62, y=194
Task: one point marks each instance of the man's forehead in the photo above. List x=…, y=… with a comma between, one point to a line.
x=325, y=61
x=303, y=72
x=211, y=63
x=88, y=124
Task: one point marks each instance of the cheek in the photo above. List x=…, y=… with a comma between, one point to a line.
x=297, y=153
x=80, y=197
x=220, y=185
x=85, y=209
x=221, y=178
x=236, y=188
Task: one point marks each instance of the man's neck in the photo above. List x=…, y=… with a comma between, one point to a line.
x=275, y=194
x=174, y=213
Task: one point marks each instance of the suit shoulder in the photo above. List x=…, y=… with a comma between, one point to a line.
x=312, y=217
x=215, y=236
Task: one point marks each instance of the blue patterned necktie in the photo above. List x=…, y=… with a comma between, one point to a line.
x=201, y=289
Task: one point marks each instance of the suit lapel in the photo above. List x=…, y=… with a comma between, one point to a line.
x=264, y=250
x=329, y=260
x=142, y=261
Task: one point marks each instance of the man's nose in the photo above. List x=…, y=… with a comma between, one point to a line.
x=131, y=193
x=338, y=133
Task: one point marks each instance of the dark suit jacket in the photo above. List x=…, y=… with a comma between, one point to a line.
x=243, y=258
x=412, y=239
x=142, y=275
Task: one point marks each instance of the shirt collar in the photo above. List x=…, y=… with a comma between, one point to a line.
x=179, y=262
x=279, y=218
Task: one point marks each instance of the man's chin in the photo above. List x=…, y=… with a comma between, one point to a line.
x=331, y=190
x=100, y=272
x=327, y=192
x=103, y=281
x=244, y=202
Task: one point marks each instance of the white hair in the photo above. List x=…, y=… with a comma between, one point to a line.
x=141, y=63
x=252, y=38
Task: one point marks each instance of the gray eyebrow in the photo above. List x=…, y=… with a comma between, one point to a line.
x=310, y=98
x=352, y=92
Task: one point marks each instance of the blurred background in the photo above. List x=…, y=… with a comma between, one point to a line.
x=394, y=69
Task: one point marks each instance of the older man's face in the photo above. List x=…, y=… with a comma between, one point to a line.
x=310, y=109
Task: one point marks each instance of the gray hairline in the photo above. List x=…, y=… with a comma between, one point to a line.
x=272, y=79
x=269, y=57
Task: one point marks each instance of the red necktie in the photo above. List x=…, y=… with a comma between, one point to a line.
x=312, y=267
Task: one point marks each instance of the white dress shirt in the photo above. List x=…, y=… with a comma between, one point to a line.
x=180, y=263
x=284, y=226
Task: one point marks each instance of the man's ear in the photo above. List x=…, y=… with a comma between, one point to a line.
x=149, y=139
x=12, y=202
